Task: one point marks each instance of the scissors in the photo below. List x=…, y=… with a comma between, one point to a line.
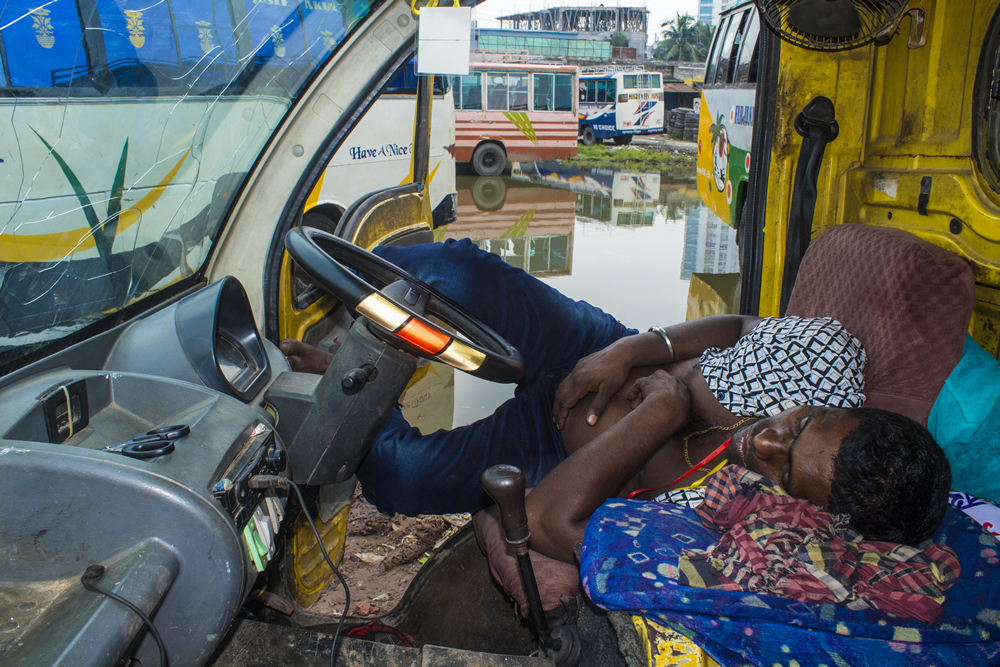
x=152, y=443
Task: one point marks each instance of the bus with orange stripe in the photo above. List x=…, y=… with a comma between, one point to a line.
x=514, y=112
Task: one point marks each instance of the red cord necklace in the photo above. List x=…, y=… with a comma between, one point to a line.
x=718, y=450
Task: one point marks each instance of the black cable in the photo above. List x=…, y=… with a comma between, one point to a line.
x=343, y=582
x=95, y=572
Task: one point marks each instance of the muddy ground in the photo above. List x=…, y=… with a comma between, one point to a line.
x=381, y=556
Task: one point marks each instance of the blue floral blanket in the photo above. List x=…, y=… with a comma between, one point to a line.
x=631, y=549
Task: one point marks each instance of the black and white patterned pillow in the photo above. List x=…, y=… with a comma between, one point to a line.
x=785, y=362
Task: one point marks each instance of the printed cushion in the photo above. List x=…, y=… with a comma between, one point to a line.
x=630, y=558
x=908, y=301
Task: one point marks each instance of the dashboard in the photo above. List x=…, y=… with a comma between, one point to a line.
x=132, y=450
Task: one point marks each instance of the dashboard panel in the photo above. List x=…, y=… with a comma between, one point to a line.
x=179, y=530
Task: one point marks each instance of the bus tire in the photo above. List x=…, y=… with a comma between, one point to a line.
x=489, y=193
x=588, y=136
x=489, y=160
x=623, y=140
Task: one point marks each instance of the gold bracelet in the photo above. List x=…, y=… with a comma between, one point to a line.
x=666, y=339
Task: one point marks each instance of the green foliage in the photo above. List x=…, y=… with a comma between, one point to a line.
x=685, y=39
x=619, y=39
x=637, y=158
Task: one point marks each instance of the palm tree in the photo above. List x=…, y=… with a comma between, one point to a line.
x=683, y=39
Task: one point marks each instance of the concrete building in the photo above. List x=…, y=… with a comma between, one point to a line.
x=708, y=11
x=588, y=22
x=550, y=44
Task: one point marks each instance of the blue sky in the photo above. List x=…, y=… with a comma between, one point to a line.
x=659, y=10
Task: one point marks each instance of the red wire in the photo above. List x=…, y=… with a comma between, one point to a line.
x=718, y=450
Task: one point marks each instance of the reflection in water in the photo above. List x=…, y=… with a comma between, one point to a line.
x=531, y=228
x=711, y=264
x=638, y=245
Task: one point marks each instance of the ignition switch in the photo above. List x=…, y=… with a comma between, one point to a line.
x=276, y=459
x=355, y=379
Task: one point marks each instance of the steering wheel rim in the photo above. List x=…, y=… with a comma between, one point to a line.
x=329, y=261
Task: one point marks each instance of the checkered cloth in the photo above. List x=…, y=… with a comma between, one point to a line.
x=785, y=362
x=778, y=545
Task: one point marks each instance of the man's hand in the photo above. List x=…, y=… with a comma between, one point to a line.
x=603, y=372
x=304, y=358
x=662, y=386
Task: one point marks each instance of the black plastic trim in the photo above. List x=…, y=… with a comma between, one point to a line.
x=221, y=308
x=986, y=94
x=752, y=249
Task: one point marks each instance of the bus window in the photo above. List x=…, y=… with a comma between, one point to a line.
x=728, y=51
x=554, y=92
x=611, y=91
x=139, y=42
x=746, y=66
x=563, y=92
x=737, y=42
x=205, y=36
x=496, y=91
x=468, y=92
x=518, y=91
x=49, y=48
x=406, y=79
x=541, y=92
x=713, y=58
x=630, y=81
x=602, y=91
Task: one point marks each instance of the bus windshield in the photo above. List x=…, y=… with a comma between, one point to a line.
x=131, y=127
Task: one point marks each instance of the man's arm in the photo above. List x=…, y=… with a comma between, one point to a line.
x=606, y=371
x=560, y=506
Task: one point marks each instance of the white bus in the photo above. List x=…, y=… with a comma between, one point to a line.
x=619, y=102
x=377, y=153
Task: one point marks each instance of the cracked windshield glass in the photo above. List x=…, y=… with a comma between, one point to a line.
x=128, y=128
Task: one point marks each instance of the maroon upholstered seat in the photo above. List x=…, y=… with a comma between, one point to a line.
x=908, y=301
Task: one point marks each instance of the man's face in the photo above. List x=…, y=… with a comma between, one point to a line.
x=796, y=449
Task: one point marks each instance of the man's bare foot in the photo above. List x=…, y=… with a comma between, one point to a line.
x=305, y=358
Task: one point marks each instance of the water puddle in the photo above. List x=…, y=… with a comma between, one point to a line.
x=640, y=245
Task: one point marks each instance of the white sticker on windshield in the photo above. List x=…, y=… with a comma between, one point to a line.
x=887, y=186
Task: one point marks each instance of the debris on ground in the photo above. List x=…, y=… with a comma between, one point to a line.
x=382, y=555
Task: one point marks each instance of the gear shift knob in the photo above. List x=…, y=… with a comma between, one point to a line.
x=505, y=485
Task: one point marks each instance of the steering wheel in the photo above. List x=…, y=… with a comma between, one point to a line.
x=396, y=309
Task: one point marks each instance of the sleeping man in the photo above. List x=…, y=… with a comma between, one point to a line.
x=604, y=411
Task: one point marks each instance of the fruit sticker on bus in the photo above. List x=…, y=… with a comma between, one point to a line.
x=389, y=150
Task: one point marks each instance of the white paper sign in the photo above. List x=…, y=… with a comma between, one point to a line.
x=444, y=36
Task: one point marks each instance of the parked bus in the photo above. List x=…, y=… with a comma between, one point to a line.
x=514, y=112
x=377, y=152
x=725, y=124
x=619, y=102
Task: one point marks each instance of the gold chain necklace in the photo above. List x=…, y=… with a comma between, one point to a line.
x=687, y=458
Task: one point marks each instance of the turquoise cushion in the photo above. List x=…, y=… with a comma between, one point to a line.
x=965, y=420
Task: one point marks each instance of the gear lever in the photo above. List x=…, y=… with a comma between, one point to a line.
x=505, y=484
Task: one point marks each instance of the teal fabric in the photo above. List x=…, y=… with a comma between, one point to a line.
x=965, y=420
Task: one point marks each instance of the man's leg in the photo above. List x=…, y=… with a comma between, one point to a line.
x=410, y=473
x=439, y=473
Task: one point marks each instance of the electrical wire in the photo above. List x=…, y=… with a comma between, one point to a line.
x=275, y=481
x=95, y=572
x=329, y=561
